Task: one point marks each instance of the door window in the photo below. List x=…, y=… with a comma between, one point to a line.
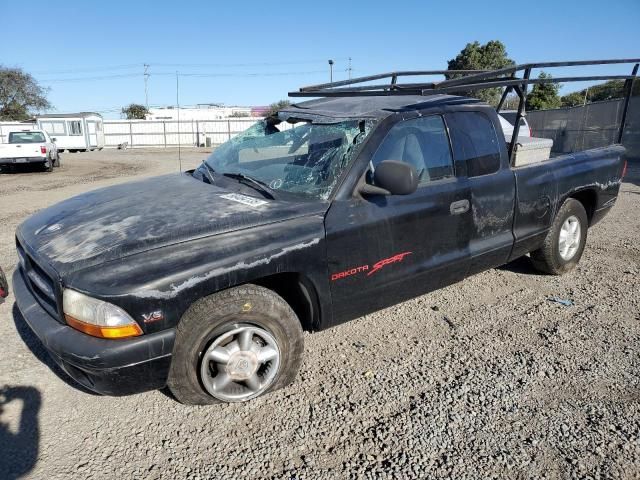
x=475, y=142
x=422, y=142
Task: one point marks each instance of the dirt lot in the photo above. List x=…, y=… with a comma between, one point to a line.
x=487, y=378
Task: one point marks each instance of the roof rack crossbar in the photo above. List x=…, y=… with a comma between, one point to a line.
x=444, y=87
x=393, y=76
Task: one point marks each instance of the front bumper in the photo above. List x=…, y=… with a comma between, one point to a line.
x=22, y=160
x=109, y=367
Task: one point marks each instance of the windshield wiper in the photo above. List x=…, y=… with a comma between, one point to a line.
x=252, y=182
x=210, y=171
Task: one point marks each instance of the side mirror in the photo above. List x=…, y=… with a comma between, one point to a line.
x=54, y=139
x=393, y=178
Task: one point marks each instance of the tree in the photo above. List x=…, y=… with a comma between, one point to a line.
x=135, y=111
x=573, y=99
x=274, y=107
x=20, y=95
x=490, y=56
x=604, y=91
x=543, y=96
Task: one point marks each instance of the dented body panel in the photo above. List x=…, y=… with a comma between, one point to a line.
x=156, y=246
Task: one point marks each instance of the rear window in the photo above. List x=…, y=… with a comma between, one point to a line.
x=511, y=118
x=475, y=143
x=26, y=137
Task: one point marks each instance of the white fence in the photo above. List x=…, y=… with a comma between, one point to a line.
x=158, y=133
x=170, y=133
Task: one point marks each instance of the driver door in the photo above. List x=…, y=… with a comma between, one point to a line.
x=385, y=249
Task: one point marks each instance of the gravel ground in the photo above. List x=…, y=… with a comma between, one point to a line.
x=484, y=379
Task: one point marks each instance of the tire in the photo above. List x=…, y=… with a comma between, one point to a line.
x=48, y=168
x=555, y=258
x=214, y=319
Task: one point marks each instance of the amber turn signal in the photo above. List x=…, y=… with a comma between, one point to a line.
x=125, y=331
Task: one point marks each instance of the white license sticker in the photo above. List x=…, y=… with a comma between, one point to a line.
x=244, y=199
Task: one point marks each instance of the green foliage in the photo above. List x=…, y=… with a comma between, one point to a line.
x=490, y=56
x=605, y=91
x=135, y=111
x=20, y=95
x=572, y=99
x=274, y=107
x=543, y=96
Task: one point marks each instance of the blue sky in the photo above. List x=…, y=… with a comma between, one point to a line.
x=91, y=54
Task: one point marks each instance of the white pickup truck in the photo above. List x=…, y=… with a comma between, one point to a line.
x=29, y=146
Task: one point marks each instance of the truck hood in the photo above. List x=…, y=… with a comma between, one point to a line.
x=123, y=220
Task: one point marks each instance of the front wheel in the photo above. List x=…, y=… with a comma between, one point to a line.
x=235, y=345
x=565, y=241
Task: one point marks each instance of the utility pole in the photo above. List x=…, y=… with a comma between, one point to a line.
x=349, y=69
x=178, y=105
x=146, y=88
x=331, y=70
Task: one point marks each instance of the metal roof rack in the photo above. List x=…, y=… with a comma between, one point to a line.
x=472, y=80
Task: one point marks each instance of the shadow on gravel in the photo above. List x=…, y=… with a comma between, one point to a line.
x=38, y=350
x=19, y=445
x=521, y=265
x=26, y=168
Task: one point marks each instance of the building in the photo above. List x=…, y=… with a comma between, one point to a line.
x=202, y=111
x=74, y=131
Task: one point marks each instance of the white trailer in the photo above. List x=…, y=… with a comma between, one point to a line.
x=74, y=131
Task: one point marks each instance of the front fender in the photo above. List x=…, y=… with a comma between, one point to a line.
x=157, y=286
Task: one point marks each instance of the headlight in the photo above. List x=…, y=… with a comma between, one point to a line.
x=97, y=318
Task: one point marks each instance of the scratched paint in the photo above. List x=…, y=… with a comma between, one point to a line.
x=243, y=265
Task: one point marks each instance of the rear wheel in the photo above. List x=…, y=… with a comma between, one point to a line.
x=565, y=241
x=234, y=346
x=48, y=165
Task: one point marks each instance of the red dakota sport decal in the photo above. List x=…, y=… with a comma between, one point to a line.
x=379, y=265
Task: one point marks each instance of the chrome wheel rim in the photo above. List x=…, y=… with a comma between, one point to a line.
x=240, y=364
x=569, y=240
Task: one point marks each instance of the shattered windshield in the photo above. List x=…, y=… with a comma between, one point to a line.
x=304, y=158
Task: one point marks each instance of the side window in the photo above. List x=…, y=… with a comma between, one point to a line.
x=54, y=128
x=422, y=142
x=75, y=128
x=475, y=143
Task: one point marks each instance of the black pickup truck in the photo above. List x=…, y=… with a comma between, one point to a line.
x=205, y=280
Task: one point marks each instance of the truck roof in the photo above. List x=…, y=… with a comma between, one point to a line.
x=377, y=106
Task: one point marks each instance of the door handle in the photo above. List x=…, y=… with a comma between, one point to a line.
x=459, y=207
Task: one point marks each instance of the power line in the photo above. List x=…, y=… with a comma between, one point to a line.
x=187, y=74
x=88, y=70
x=247, y=64
x=131, y=66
